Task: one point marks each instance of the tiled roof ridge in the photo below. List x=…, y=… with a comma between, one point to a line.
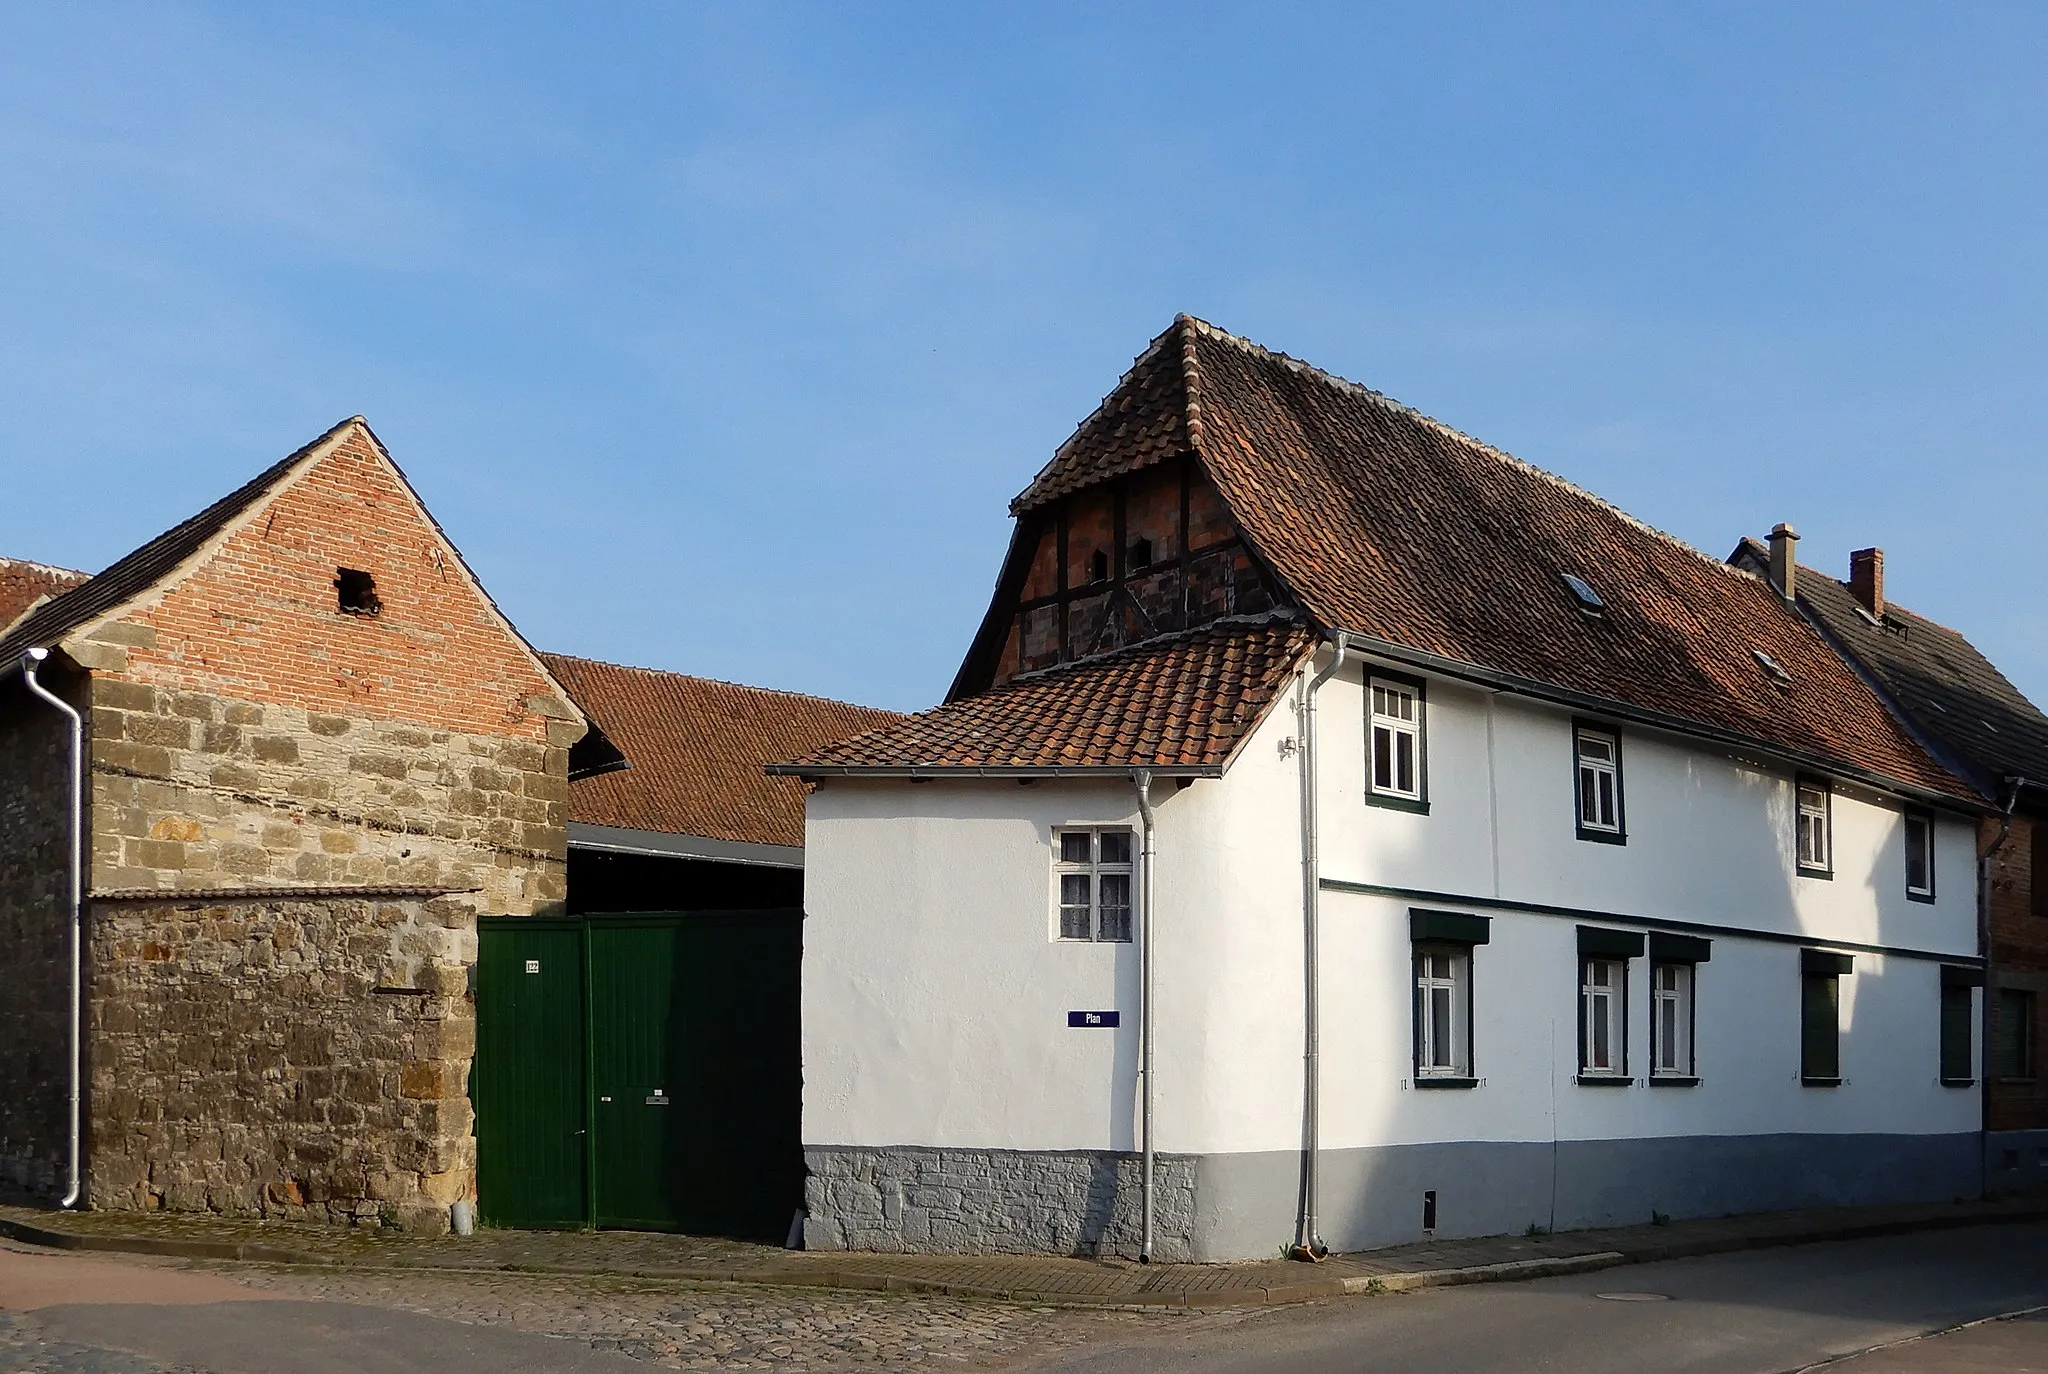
x=1156, y=644
x=1401, y=408
x=718, y=682
x=1081, y=429
x=34, y=566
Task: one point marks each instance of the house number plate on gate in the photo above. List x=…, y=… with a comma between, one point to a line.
x=659, y=1099
x=533, y=966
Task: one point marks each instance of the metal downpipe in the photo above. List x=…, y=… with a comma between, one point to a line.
x=1308, y=1237
x=29, y=663
x=1142, y=780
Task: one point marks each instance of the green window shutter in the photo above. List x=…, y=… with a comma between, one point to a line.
x=1599, y=942
x=1448, y=927
x=1955, y=1031
x=1679, y=949
x=1820, y=1040
x=1826, y=961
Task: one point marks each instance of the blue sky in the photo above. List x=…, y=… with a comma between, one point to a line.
x=720, y=336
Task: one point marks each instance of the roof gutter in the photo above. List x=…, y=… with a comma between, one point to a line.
x=1658, y=720
x=29, y=662
x=931, y=772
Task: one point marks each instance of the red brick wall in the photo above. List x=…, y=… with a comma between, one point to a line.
x=258, y=621
x=2019, y=951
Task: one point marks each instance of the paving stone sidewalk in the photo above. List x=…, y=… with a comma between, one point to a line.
x=1029, y=1278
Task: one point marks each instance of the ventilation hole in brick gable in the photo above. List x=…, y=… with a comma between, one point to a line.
x=1098, y=566
x=1141, y=553
x=356, y=592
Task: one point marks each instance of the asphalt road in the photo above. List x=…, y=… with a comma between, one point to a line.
x=1758, y=1312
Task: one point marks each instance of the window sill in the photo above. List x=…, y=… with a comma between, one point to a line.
x=1926, y=897
x=1603, y=836
x=1810, y=1081
x=1673, y=1080
x=1421, y=1082
x=1603, y=1080
x=1958, y=1082
x=1412, y=805
x=1826, y=875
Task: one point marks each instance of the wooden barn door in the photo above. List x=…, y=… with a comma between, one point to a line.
x=692, y=1099
x=532, y=1141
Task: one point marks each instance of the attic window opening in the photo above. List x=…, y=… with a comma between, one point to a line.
x=356, y=592
x=1773, y=667
x=1582, y=592
x=1141, y=553
x=1098, y=566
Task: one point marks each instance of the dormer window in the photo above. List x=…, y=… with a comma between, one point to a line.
x=1582, y=592
x=1098, y=566
x=356, y=592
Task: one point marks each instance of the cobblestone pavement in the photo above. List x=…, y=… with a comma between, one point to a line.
x=692, y=1326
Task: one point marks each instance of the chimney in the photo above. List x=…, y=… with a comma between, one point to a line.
x=1866, y=579
x=1784, y=560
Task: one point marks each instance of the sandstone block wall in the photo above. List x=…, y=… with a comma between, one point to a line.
x=1078, y=1202
x=303, y=1060
x=35, y=968
x=196, y=791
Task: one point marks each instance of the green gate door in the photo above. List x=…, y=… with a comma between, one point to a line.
x=532, y=1141
x=639, y=1112
x=693, y=1095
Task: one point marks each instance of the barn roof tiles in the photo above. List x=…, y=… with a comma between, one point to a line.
x=697, y=748
x=23, y=584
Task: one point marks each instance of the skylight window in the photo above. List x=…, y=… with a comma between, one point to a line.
x=1773, y=667
x=1582, y=592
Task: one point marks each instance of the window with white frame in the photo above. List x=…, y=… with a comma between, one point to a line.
x=1671, y=1020
x=1443, y=1011
x=1395, y=762
x=1815, y=847
x=1599, y=765
x=1094, y=877
x=1603, y=1018
x=1919, y=832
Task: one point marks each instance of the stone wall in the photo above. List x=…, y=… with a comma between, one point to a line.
x=35, y=991
x=305, y=1060
x=195, y=791
x=1079, y=1202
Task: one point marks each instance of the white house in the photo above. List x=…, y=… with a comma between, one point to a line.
x=1341, y=833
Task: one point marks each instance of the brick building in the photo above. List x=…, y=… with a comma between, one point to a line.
x=1985, y=731
x=315, y=752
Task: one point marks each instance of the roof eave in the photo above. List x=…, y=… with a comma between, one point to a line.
x=933, y=773
x=1659, y=720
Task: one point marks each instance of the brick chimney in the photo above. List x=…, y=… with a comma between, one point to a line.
x=1866, y=579
x=1784, y=560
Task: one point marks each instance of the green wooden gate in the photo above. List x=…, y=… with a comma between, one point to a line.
x=529, y=1078
x=686, y=1054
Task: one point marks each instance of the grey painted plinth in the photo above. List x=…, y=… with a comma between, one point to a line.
x=908, y=1198
x=1245, y=1203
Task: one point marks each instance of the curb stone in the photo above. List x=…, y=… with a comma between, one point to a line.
x=858, y=1279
